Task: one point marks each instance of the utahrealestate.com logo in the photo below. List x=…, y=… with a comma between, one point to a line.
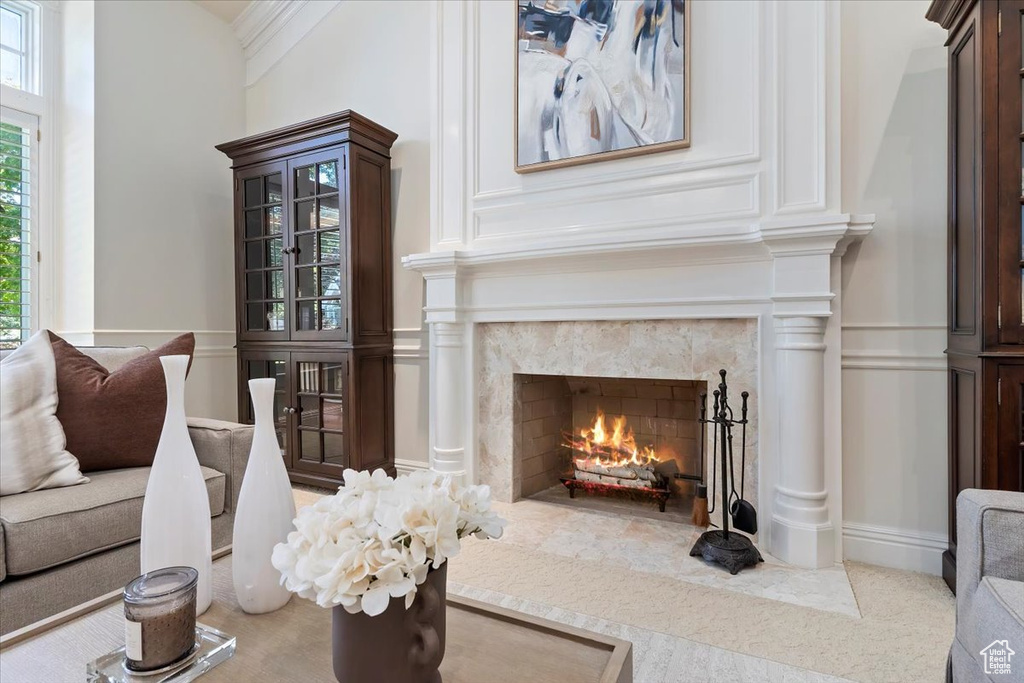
x=997, y=657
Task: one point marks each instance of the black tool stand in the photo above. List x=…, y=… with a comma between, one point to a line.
x=730, y=549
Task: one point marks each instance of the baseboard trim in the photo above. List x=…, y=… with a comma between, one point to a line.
x=407, y=466
x=898, y=548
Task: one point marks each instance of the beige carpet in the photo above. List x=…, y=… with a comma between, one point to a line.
x=903, y=635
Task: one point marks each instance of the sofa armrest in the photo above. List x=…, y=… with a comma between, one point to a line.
x=223, y=446
x=990, y=538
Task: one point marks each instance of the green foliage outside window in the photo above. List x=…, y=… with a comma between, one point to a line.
x=14, y=252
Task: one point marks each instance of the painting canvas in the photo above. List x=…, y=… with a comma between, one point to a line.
x=600, y=79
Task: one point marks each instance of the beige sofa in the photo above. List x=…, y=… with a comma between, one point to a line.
x=61, y=547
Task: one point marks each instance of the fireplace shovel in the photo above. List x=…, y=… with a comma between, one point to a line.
x=744, y=516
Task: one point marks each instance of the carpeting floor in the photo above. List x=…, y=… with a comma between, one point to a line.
x=903, y=633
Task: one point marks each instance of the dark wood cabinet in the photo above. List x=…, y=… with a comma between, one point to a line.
x=986, y=248
x=313, y=290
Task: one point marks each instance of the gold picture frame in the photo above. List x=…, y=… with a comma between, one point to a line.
x=638, y=150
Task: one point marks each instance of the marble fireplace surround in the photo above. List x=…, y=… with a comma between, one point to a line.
x=768, y=296
x=655, y=349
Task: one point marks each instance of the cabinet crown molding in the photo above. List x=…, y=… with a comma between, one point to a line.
x=329, y=130
x=946, y=13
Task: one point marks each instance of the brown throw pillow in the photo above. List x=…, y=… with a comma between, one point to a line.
x=113, y=419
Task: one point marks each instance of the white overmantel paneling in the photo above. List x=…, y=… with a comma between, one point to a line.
x=747, y=223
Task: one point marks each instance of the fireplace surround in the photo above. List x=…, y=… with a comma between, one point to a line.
x=763, y=310
x=745, y=229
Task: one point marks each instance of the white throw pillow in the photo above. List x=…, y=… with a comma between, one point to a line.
x=32, y=443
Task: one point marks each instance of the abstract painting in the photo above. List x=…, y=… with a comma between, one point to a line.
x=600, y=79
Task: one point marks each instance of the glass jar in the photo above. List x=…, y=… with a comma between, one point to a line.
x=160, y=618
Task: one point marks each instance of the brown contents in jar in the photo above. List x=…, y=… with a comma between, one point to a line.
x=166, y=638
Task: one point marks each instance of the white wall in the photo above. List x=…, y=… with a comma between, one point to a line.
x=169, y=86
x=75, y=298
x=380, y=64
x=893, y=164
x=894, y=303
x=373, y=59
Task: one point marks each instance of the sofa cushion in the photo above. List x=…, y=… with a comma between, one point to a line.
x=98, y=407
x=32, y=444
x=47, y=528
x=997, y=614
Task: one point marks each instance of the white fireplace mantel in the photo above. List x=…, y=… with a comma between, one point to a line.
x=747, y=223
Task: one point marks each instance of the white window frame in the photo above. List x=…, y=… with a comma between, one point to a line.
x=30, y=31
x=40, y=105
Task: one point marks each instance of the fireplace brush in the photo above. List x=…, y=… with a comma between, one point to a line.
x=701, y=515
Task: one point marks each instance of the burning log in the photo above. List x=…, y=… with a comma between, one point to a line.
x=641, y=472
x=614, y=481
x=612, y=461
x=606, y=451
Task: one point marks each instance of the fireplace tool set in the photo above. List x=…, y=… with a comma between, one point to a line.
x=732, y=550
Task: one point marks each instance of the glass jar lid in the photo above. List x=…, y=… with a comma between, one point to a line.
x=160, y=583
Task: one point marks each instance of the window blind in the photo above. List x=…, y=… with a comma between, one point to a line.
x=17, y=131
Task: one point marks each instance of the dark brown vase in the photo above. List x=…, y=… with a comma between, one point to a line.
x=399, y=646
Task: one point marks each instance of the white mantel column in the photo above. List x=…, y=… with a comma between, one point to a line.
x=448, y=400
x=446, y=406
x=801, y=532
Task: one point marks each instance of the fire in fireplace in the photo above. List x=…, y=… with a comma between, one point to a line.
x=630, y=439
x=611, y=460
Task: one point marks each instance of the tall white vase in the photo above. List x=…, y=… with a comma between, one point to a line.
x=264, y=514
x=176, y=509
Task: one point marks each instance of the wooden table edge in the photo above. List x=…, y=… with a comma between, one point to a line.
x=620, y=661
x=618, y=670
x=43, y=625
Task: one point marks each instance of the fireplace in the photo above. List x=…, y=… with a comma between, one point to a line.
x=634, y=440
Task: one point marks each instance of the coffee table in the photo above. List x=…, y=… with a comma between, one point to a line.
x=485, y=644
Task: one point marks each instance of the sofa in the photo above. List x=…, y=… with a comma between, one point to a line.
x=989, y=588
x=61, y=547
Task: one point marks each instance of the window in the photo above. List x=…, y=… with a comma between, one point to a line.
x=18, y=58
x=16, y=286
x=26, y=106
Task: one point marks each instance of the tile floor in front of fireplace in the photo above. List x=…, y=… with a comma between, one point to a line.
x=660, y=657
x=638, y=542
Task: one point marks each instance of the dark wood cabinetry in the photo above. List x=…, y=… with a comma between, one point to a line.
x=986, y=248
x=313, y=294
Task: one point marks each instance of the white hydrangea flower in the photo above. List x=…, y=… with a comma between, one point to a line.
x=377, y=538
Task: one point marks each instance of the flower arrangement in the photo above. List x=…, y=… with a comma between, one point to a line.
x=377, y=538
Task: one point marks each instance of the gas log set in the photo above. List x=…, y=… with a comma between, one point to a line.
x=610, y=461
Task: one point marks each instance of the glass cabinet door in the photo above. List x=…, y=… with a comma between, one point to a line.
x=318, y=268
x=264, y=314
x=261, y=365
x=321, y=398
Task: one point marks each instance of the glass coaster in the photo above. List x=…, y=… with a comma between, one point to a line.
x=212, y=648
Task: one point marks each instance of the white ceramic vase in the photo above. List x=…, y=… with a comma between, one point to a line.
x=264, y=514
x=176, y=509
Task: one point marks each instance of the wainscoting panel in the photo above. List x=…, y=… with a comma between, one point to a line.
x=894, y=444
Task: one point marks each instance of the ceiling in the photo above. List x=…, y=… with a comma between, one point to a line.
x=225, y=10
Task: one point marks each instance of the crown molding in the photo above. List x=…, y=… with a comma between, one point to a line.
x=268, y=29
